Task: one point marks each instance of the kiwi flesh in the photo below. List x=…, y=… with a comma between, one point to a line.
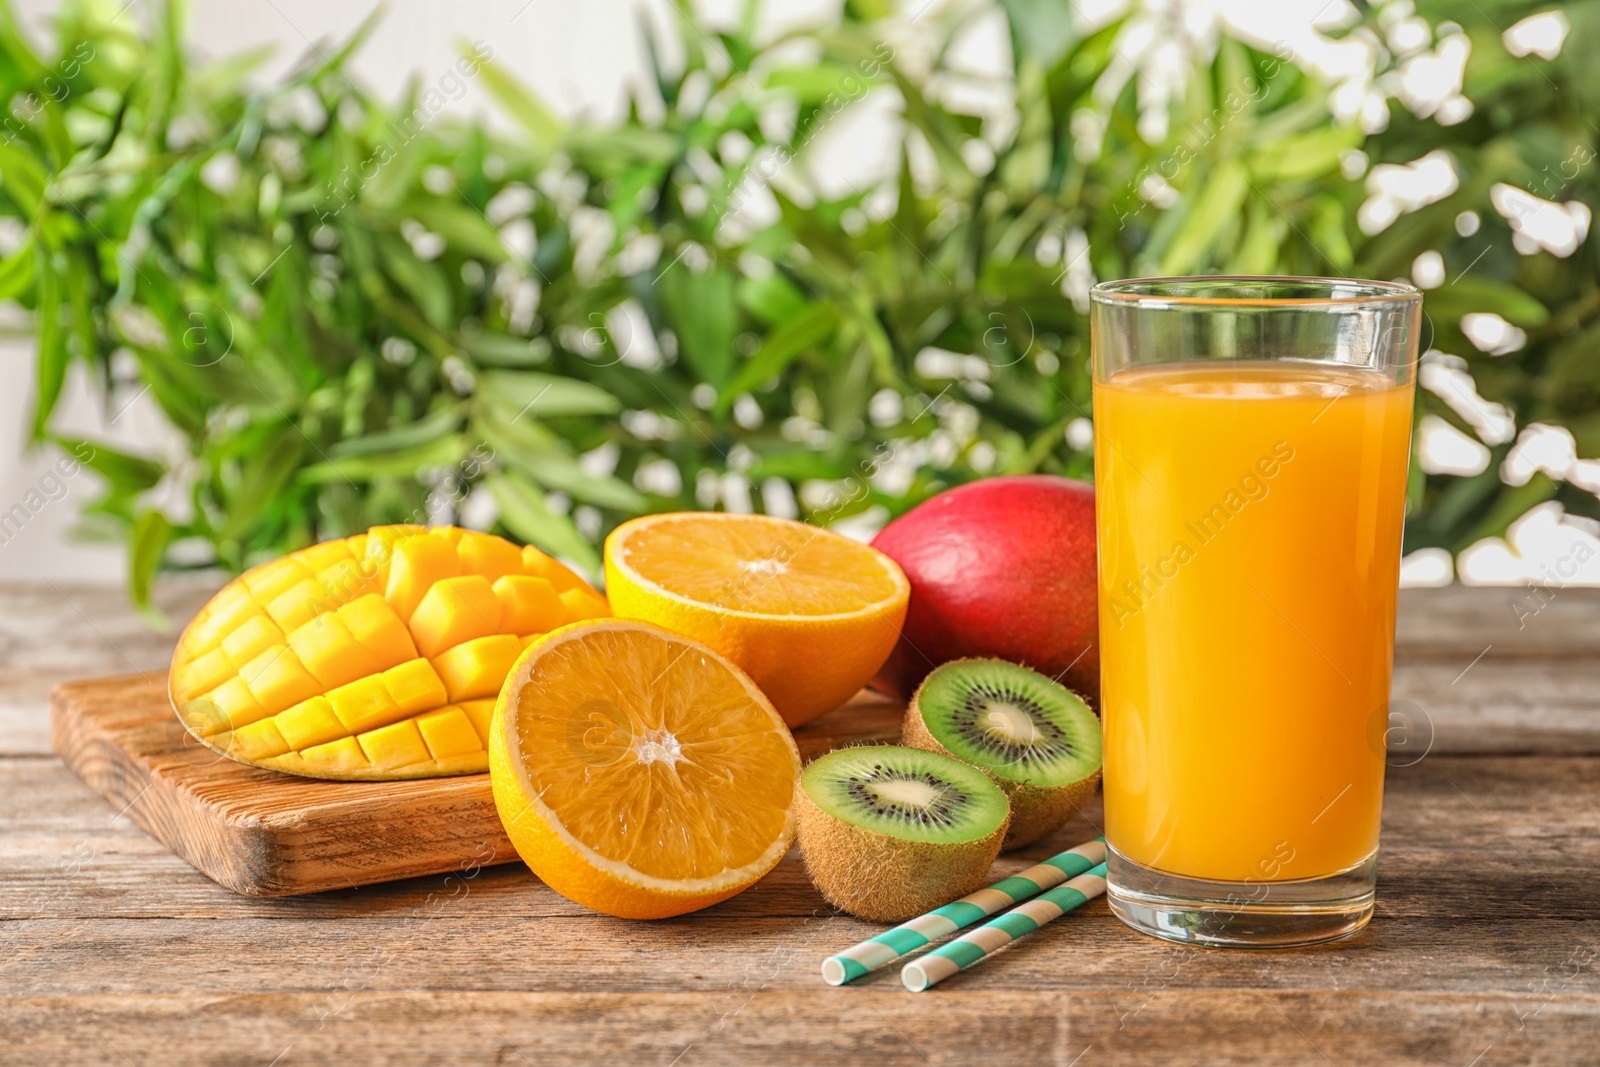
x=1037, y=739
x=888, y=833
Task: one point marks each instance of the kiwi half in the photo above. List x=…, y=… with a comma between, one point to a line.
x=1038, y=740
x=888, y=832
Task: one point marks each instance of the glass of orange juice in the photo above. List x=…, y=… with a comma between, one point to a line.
x=1251, y=445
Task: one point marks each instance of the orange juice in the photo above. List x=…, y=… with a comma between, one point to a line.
x=1249, y=535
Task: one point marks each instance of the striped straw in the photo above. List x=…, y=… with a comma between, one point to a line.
x=890, y=945
x=968, y=949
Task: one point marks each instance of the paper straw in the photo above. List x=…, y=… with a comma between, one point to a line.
x=890, y=945
x=968, y=949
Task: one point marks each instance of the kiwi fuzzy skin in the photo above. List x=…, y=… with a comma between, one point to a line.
x=884, y=879
x=1035, y=810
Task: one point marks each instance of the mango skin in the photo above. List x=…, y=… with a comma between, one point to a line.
x=1001, y=568
x=371, y=657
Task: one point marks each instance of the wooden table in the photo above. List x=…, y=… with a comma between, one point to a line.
x=1485, y=948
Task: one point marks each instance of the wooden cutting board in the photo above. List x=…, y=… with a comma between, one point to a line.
x=263, y=833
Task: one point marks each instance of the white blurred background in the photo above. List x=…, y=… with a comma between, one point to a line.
x=581, y=56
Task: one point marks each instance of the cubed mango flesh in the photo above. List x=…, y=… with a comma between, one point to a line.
x=336, y=759
x=448, y=732
x=416, y=565
x=331, y=654
x=581, y=603
x=255, y=636
x=310, y=722
x=375, y=626
x=397, y=745
x=376, y=656
x=540, y=565
x=476, y=669
x=492, y=557
x=528, y=604
x=364, y=704
x=455, y=610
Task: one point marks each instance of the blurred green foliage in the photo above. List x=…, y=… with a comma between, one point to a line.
x=355, y=312
x=1535, y=128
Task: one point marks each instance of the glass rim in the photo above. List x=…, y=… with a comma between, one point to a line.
x=1339, y=293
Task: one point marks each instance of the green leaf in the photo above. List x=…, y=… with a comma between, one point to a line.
x=1328, y=233
x=126, y=472
x=804, y=330
x=795, y=465
x=423, y=432
x=1214, y=208
x=423, y=281
x=525, y=513
x=553, y=257
x=771, y=298
x=351, y=45
x=1510, y=506
x=1309, y=155
x=812, y=85
x=1076, y=72
x=463, y=228
x=21, y=176
x=523, y=105
x=544, y=458
x=666, y=85
x=266, y=473
x=15, y=46
x=942, y=131
x=527, y=394
x=146, y=545
x=52, y=346
x=1586, y=431
x=1039, y=28
x=1461, y=498
x=1263, y=238
x=16, y=273
x=692, y=38
x=403, y=463
x=701, y=310
x=868, y=10
x=612, y=151
x=79, y=277
x=1454, y=299
x=495, y=350
x=554, y=470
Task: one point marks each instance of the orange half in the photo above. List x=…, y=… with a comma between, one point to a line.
x=809, y=614
x=638, y=772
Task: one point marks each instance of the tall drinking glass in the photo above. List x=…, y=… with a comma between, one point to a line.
x=1251, y=444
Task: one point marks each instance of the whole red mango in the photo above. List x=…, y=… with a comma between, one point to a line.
x=1003, y=567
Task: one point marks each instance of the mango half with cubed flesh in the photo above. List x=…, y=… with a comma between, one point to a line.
x=374, y=657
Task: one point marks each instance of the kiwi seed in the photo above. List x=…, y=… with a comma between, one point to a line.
x=1038, y=740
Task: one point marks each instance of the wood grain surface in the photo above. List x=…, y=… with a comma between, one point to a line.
x=1484, y=950
x=265, y=833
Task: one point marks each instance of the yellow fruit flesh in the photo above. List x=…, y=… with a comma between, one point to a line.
x=807, y=613
x=760, y=566
x=378, y=656
x=640, y=773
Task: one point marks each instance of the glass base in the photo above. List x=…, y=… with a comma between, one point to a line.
x=1241, y=914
